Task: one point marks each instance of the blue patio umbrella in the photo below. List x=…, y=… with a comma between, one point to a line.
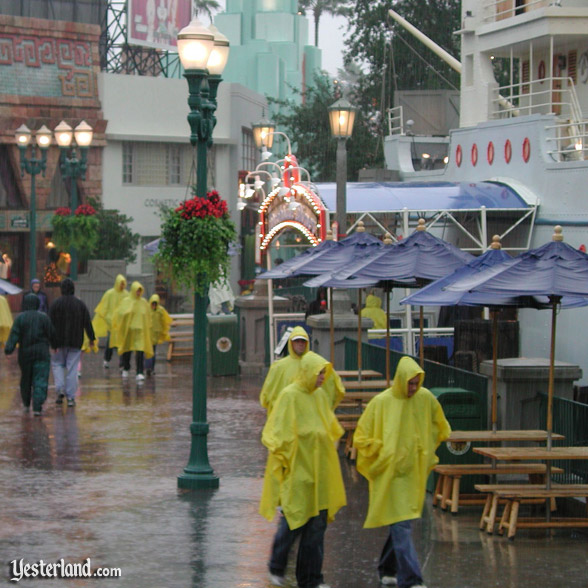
x=8, y=288
x=416, y=260
x=555, y=270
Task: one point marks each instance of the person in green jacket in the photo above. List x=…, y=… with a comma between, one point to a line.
x=33, y=332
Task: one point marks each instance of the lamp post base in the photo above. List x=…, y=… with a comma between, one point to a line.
x=195, y=481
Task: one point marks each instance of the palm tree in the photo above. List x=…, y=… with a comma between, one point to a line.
x=318, y=7
x=205, y=7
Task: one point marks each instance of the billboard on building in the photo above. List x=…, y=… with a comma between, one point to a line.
x=156, y=23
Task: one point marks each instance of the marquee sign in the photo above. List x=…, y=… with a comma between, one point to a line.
x=300, y=209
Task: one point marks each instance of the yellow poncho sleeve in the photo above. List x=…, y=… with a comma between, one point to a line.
x=5, y=320
x=396, y=439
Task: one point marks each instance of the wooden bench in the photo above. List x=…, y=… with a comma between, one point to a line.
x=180, y=336
x=349, y=423
x=513, y=495
x=447, y=487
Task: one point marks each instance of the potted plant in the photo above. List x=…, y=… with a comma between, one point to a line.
x=78, y=231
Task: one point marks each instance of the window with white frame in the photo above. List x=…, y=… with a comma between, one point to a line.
x=127, y=162
x=248, y=150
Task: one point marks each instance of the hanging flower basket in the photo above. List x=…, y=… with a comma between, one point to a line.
x=194, y=244
x=79, y=231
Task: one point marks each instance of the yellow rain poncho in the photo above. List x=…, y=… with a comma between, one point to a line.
x=302, y=475
x=104, y=312
x=131, y=324
x=284, y=371
x=5, y=320
x=396, y=439
x=373, y=310
x=160, y=322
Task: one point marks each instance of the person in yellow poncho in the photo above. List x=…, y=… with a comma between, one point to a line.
x=300, y=434
x=131, y=330
x=284, y=371
x=396, y=439
x=373, y=310
x=104, y=312
x=160, y=324
x=5, y=320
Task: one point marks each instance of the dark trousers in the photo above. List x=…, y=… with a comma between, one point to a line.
x=108, y=349
x=150, y=363
x=34, y=379
x=139, y=361
x=399, y=556
x=309, y=561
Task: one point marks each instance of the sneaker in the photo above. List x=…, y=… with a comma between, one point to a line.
x=140, y=377
x=276, y=580
x=71, y=402
x=105, y=365
x=37, y=412
x=59, y=399
x=388, y=580
x=323, y=586
x=418, y=586
x=125, y=374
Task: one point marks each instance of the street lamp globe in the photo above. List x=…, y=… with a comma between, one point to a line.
x=23, y=136
x=195, y=43
x=263, y=134
x=84, y=134
x=220, y=53
x=43, y=137
x=342, y=118
x=63, y=134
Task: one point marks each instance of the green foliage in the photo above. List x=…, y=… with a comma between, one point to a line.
x=78, y=231
x=117, y=240
x=315, y=146
x=194, y=251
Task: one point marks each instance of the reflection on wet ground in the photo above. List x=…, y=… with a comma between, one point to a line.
x=99, y=481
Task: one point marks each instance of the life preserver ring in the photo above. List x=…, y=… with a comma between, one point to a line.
x=458, y=155
x=507, y=151
x=526, y=149
x=474, y=154
x=490, y=153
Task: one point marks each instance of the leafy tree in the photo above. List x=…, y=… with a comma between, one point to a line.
x=315, y=146
x=320, y=7
x=205, y=7
x=117, y=240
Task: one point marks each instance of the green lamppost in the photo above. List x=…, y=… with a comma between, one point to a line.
x=74, y=167
x=341, y=118
x=33, y=165
x=203, y=53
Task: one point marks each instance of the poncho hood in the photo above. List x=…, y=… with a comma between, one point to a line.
x=135, y=287
x=31, y=302
x=407, y=369
x=311, y=366
x=373, y=301
x=67, y=287
x=297, y=332
x=120, y=283
x=154, y=298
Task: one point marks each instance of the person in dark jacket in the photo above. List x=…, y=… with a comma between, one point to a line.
x=318, y=306
x=36, y=290
x=70, y=318
x=34, y=333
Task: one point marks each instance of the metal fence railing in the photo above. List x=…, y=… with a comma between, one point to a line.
x=570, y=419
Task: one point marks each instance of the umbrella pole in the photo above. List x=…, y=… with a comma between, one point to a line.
x=554, y=302
x=359, y=334
x=494, y=369
x=332, y=327
x=421, y=337
x=270, y=302
x=387, y=337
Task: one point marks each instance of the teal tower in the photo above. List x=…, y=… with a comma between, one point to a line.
x=270, y=53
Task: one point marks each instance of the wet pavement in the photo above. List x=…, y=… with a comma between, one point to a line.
x=99, y=482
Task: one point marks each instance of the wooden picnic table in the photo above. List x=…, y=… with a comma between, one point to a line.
x=365, y=374
x=499, y=436
x=365, y=385
x=531, y=453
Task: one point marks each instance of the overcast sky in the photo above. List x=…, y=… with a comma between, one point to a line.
x=330, y=40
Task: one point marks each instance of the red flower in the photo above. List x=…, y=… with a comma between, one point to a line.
x=85, y=210
x=198, y=207
x=63, y=211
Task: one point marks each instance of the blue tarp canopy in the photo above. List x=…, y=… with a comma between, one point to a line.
x=376, y=197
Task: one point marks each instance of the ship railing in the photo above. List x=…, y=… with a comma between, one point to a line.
x=396, y=121
x=495, y=10
x=568, y=141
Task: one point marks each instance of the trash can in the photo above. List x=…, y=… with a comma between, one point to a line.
x=223, y=348
x=466, y=411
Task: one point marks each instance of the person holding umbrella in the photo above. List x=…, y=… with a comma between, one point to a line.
x=396, y=439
